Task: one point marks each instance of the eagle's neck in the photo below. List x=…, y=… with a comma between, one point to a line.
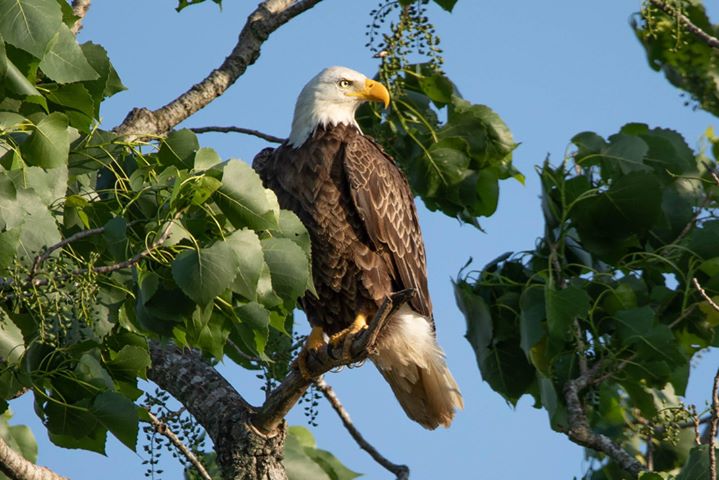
x=311, y=113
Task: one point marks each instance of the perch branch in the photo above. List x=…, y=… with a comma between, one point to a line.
x=17, y=467
x=400, y=471
x=246, y=131
x=581, y=433
x=284, y=397
x=705, y=295
x=265, y=19
x=687, y=23
x=79, y=8
x=162, y=428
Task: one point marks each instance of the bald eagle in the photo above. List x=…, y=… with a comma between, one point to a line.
x=366, y=241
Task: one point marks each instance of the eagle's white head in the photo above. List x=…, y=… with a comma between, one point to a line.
x=331, y=98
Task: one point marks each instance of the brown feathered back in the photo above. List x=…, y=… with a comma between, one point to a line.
x=366, y=243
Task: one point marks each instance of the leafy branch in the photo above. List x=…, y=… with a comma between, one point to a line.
x=163, y=429
x=687, y=23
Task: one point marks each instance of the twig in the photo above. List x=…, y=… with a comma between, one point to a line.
x=713, y=428
x=104, y=269
x=579, y=430
x=17, y=467
x=705, y=295
x=72, y=238
x=688, y=24
x=163, y=429
x=400, y=471
x=265, y=19
x=287, y=393
x=246, y=131
x=79, y=8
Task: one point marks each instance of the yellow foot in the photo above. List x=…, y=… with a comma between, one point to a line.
x=348, y=334
x=314, y=342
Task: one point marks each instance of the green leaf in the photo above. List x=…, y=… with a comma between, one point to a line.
x=94, y=441
x=109, y=82
x=449, y=154
x=248, y=251
x=129, y=363
x=49, y=145
x=30, y=24
x=206, y=273
x=18, y=437
x=64, y=61
x=288, y=266
x=253, y=326
x=10, y=120
x=179, y=149
x=203, y=188
x=505, y=368
x=303, y=460
x=446, y=4
x=697, y=466
x=206, y=158
x=244, y=200
x=118, y=415
x=532, y=314
x=12, y=343
x=476, y=312
x=627, y=151
x=438, y=88
x=562, y=307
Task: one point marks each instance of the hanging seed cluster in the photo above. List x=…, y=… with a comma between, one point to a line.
x=64, y=306
x=411, y=34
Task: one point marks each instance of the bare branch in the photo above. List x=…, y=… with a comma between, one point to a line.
x=265, y=19
x=163, y=429
x=687, y=23
x=581, y=433
x=400, y=471
x=17, y=467
x=286, y=395
x=79, y=8
x=705, y=295
x=72, y=238
x=713, y=427
x=246, y=131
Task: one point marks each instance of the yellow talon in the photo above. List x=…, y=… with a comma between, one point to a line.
x=347, y=335
x=314, y=342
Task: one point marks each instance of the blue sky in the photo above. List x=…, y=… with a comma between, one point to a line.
x=550, y=69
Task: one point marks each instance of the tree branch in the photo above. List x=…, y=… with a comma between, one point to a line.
x=581, y=433
x=246, y=131
x=400, y=471
x=79, y=8
x=687, y=23
x=17, y=467
x=286, y=395
x=163, y=429
x=265, y=19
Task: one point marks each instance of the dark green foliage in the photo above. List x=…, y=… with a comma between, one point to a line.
x=455, y=165
x=686, y=61
x=630, y=221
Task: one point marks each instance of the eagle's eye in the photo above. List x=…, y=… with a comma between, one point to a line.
x=344, y=83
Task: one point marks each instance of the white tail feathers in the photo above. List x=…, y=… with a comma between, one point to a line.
x=413, y=364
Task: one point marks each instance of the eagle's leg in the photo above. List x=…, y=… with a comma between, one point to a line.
x=347, y=335
x=314, y=342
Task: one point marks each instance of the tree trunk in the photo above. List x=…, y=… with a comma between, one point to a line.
x=247, y=454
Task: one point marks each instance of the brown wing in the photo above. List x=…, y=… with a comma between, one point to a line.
x=384, y=202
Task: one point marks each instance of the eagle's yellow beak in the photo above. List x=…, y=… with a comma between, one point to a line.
x=374, y=91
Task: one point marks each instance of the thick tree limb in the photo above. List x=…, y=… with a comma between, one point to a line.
x=79, y=8
x=400, y=471
x=265, y=19
x=286, y=395
x=162, y=428
x=581, y=433
x=17, y=467
x=687, y=23
x=246, y=131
